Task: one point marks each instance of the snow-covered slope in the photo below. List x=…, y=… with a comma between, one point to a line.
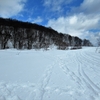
x=50, y=75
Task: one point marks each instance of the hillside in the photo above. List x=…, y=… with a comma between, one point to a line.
x=51, y=75
x=25, y=35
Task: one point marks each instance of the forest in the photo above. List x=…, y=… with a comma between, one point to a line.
x=24, y=35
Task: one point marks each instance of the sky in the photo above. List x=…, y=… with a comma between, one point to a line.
x=75, y=17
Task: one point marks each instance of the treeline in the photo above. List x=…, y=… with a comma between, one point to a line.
x=25, y=35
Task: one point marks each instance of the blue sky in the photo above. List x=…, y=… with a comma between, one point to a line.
x=75, y=17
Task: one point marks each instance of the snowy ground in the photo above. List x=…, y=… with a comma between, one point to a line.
x=50, y=75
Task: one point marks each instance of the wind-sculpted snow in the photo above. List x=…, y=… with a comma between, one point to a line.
x=50, y=75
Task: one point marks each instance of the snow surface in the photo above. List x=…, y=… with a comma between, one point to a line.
x=50, y=75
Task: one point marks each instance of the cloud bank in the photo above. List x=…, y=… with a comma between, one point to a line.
x=76, y=24
x=80, y=20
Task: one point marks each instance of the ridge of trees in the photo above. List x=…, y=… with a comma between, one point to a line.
x=25, y=35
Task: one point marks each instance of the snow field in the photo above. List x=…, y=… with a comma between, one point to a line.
x=50, y=75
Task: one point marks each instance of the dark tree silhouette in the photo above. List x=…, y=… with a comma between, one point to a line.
x=25, y=35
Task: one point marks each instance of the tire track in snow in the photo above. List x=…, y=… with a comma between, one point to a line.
x=73, y=76
x=90, y=90
x=96, y=57
x=90, y=58
x=67, y=71
x=93, y=64
x=88, y=82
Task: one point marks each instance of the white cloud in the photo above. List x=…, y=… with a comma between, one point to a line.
x=37, y=20
x=9, y=8
x=73, y=20
x=91, y=6
x=56, y=5
x=88, y=7
x=80, y=20
x=75, y=24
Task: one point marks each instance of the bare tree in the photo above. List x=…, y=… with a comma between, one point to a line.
x=98, y=45
x=98, y=40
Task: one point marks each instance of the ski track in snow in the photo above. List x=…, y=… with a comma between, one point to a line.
x=41, y=87
x=84, y=86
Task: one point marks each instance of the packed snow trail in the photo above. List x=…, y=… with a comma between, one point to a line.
x=50, y=75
